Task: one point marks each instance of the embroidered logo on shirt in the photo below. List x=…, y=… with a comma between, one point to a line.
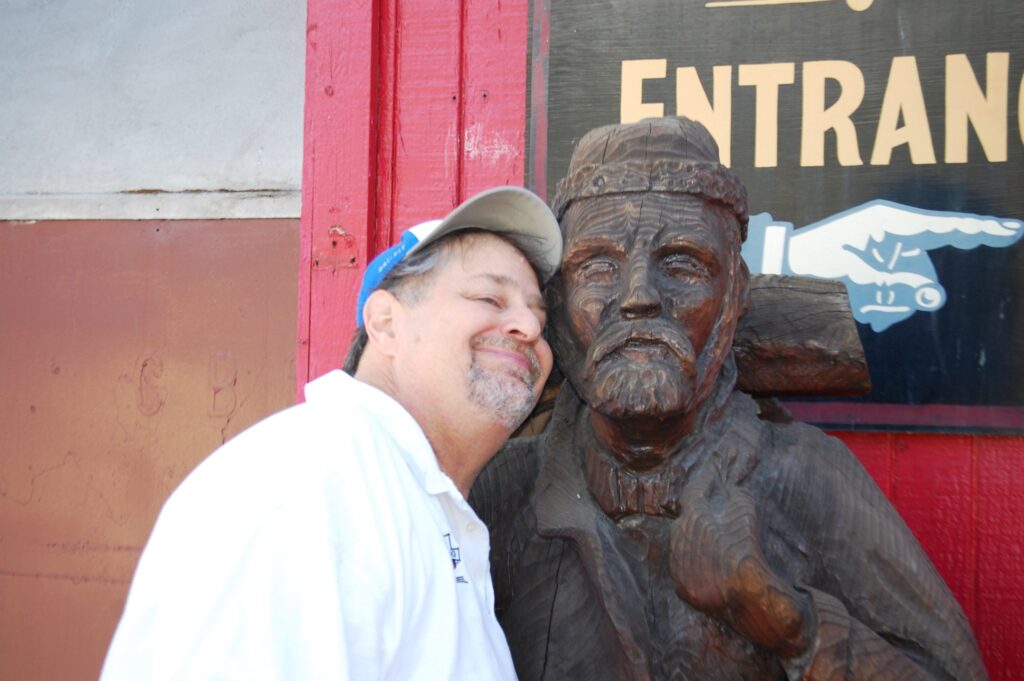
x=456, y=557
x=453, y=551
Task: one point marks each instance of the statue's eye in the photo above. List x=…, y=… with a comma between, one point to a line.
x=684, y=266
x=597, y=268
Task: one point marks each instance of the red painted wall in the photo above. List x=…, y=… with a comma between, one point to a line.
x=412, y=105
x=960, y=496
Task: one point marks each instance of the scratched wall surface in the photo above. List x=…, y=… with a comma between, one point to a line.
x=128, y=352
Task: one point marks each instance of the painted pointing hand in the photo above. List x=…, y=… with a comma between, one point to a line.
x=879, y=250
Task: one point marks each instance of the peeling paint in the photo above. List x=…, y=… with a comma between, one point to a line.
x=481, y=143
x=451, y=140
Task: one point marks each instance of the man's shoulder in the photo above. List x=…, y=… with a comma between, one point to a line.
x=804, y=445
x=808, y=472
x=338, y=390
x=805, y=457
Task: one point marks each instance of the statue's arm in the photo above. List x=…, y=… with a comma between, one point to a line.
x=876, y=608
x=843, y=647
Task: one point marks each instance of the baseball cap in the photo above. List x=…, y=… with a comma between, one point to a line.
x=513, y=212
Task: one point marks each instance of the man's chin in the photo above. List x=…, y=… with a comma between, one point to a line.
x=505, y=397
x=651, y=390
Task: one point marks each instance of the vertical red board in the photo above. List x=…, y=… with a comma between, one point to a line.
x=386, y=148
x=494, y=94
x=1000, y=576
x=426, y=120
x=337, y=180
x=411, y=106
x=934, y=490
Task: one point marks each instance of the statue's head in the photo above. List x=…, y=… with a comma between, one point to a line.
x=643, y=313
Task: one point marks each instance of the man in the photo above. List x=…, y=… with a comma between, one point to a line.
x=659, y=529
x=333, y=540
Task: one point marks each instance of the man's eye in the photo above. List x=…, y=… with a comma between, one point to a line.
x=490, y=300
x=597, y=268
x=681, y=265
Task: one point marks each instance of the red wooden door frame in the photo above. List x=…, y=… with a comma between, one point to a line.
x=339, y=167
x=411, y=106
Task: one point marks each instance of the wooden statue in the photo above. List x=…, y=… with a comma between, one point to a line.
x=658, y=528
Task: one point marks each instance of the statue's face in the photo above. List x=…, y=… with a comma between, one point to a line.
x=645, y=308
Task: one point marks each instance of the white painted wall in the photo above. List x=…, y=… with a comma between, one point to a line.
x=151, y=108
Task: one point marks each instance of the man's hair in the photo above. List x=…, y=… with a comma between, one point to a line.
x=411, y=278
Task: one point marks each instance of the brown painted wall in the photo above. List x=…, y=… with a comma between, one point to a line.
x=129, y=350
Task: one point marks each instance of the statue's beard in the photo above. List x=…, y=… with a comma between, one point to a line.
x=640, y=370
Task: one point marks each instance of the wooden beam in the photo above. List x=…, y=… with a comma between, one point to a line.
x=339, y=169
x=799, y=338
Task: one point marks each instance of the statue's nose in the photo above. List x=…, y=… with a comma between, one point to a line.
x=640, y=297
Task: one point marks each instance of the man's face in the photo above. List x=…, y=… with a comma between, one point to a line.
x=471, y=342
x=648, y=300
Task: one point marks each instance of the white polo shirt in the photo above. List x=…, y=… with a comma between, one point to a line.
x=322, y=543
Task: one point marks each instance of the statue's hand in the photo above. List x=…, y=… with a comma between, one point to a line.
x=719, y=569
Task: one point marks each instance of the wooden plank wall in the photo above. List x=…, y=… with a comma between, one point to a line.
x=413, y=105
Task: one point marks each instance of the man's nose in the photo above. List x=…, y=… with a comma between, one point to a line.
x=640, y=295
x=521, y=322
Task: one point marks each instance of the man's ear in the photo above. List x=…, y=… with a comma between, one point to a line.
x=380, y=314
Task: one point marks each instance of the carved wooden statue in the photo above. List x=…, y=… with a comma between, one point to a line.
x=658, y=528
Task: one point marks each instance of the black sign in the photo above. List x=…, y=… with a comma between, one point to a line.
x=882, y=144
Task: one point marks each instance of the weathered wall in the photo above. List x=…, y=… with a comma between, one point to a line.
x=411, y=106
x=150, y=164
x=140, y=108
x=128, y=352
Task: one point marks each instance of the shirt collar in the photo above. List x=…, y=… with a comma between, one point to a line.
x=412, y=442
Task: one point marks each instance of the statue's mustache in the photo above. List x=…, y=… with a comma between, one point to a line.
x=623, y=334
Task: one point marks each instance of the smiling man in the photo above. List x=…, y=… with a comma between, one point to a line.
x=333, y=540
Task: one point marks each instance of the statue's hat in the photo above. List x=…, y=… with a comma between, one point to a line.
x=672, y=155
